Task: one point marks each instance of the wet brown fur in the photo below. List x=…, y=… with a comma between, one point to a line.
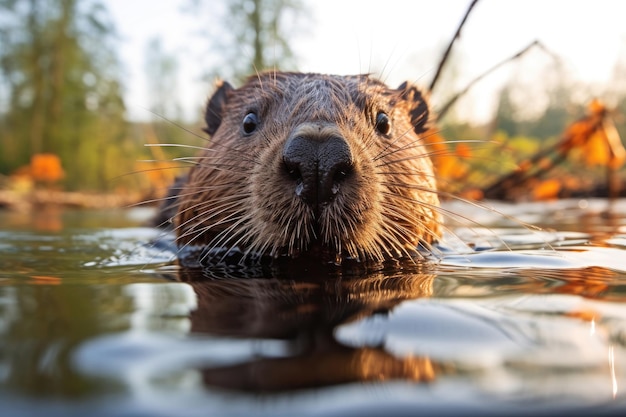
x=238, y=194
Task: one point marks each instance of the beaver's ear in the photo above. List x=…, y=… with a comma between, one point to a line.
x=419, y=110
x=216, y=107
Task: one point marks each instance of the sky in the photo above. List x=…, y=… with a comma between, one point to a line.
x=396, y=40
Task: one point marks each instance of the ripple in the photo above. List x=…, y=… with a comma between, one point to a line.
x=543, y=259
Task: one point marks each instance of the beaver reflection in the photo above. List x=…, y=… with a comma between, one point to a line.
x=304, y=313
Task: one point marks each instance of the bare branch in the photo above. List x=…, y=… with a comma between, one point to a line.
x=441, y=113
x=444, y=58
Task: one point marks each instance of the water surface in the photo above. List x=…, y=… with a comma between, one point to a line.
x=96, y=320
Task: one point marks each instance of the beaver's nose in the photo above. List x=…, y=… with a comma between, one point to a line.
x=319, y=164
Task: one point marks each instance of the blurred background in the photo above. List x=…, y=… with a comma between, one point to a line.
x=85, y=85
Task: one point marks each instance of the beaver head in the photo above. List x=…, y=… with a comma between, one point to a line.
x=309, y=165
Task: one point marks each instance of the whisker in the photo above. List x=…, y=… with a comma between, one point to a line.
x=178, y=125
x=175, y=145
x=205, y=217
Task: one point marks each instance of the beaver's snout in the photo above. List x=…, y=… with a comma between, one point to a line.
x=319, y=159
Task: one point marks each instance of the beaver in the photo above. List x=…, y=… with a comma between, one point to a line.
x=313, y=166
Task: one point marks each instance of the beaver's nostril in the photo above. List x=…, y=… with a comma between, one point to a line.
x=318, y=165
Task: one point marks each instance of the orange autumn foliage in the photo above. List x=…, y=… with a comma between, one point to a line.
x=463, y=151
x=596, y=150
x=472, y=194
x=546, y=190
x=448, y=164
x=46, y=167
x=597, y=138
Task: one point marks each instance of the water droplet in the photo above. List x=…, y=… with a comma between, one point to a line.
x=299, y=189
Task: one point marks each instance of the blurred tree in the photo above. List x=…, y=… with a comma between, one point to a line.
x=561, y=107
x=162, y=74
x=253, y=35
x=161, y=167
x=167, y=125
x=562, y=110
x=59, y=72
x=506, y=119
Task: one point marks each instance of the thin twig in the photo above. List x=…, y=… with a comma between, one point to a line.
x=446, y=107
x=444, y=58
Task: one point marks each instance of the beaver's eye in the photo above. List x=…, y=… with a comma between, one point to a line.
x=383, y=123
x=250, y=123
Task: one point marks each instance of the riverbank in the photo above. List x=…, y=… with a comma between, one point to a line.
x=15, y=200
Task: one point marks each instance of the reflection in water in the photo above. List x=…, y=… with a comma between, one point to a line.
x=89, y=325
x=45, y=218
x=40, y=327
x=612, y=367
x=305, y=313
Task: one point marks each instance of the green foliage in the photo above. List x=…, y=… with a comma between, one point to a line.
x=63, y=96
x=60, y=89
x=499, y=155
x=560, y=111
x=506, y=152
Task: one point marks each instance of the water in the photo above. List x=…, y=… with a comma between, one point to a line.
x=96, y=321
